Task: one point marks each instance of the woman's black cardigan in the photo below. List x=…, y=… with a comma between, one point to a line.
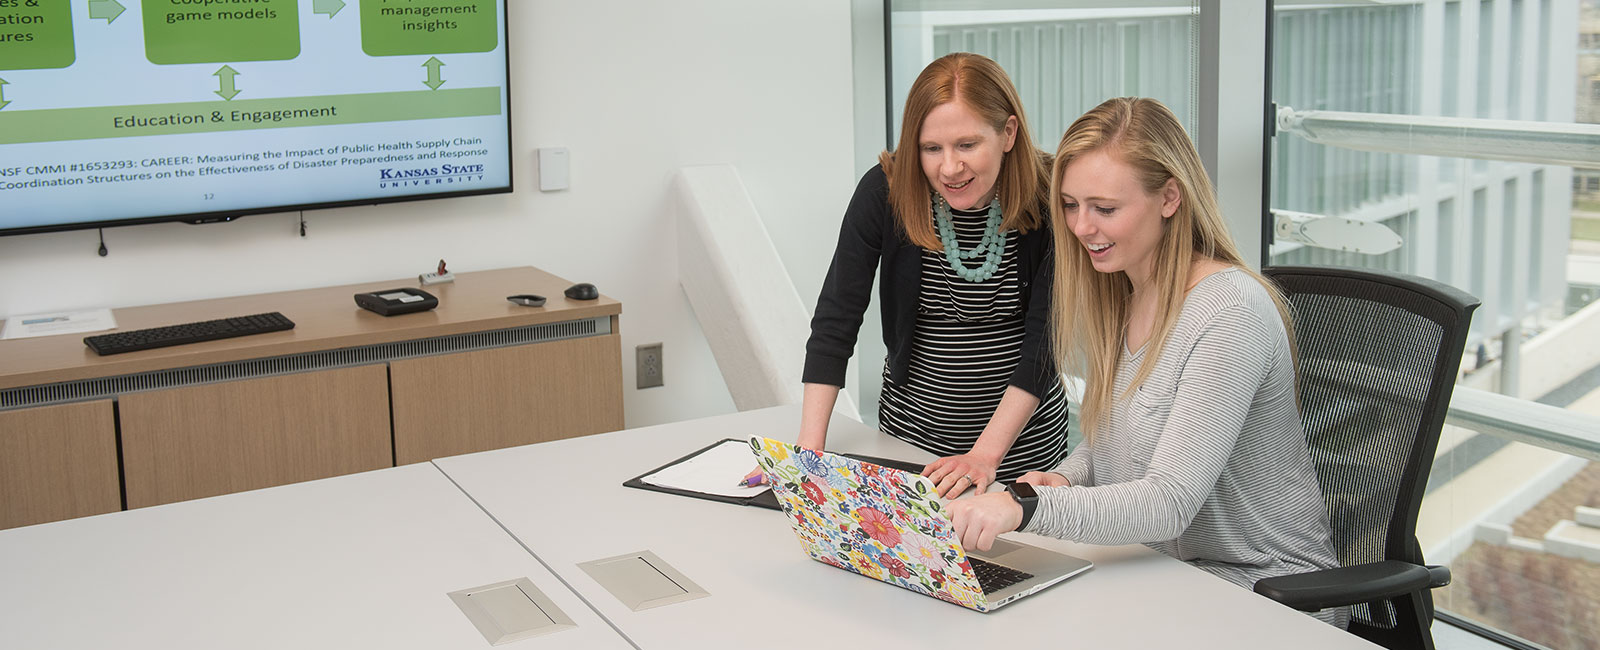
x=870, y=234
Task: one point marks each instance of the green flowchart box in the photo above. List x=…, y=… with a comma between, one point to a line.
x=36, y=34
x=402, y=27
x=221, y=31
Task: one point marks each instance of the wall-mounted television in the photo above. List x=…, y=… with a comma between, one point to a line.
x=120, y=112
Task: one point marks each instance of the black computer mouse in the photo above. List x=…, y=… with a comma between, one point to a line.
x=582, y=291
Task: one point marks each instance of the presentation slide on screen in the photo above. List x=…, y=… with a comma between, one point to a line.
x=128, y=109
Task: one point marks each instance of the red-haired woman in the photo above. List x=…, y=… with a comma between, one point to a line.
x=954, y=225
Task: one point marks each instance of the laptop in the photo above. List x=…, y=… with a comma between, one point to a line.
x=888, y=524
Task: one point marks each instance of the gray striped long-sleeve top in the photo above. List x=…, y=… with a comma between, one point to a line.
x=1206, y=461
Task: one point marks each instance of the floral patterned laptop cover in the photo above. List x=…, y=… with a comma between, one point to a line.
x=879, y=522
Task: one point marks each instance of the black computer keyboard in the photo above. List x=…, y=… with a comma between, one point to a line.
x=994, y=577
x=210, y=330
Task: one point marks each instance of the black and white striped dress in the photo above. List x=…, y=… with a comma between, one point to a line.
x=967, y=342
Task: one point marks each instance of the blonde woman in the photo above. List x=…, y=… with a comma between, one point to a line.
x=954, y=226
x=1193, y=441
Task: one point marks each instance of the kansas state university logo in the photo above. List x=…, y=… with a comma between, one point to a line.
x=391, y=178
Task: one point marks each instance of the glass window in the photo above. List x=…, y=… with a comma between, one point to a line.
x=1064, y=59
x=1495, y=208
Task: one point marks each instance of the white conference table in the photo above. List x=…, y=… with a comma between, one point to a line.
x=565, y=502
x=358, y=561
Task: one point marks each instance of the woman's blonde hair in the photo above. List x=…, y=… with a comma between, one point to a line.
x=1090, y=309
x=981, y=85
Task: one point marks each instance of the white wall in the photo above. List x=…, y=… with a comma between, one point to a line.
x=635, y=89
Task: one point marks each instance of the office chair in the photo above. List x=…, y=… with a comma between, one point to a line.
x=1379, y=353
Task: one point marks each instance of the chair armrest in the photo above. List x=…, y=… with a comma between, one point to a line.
x=1363, y=583
x=1440, y=576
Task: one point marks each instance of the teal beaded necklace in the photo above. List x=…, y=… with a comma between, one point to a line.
x=991, y=247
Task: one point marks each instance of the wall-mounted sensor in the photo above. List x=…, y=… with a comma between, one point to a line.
x=554, y=171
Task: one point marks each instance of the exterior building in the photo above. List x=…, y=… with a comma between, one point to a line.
x=1586, y=182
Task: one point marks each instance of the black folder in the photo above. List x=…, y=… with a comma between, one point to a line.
x=764, y=500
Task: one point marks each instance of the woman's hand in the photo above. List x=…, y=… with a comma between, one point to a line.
x=1044, y=479
x=980, y=518
x=760, y=478
x=977, y=468
x=952, y=474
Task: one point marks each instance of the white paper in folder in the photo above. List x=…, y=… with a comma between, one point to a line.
x=713, y=471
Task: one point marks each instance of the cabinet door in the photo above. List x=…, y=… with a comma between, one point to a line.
x=454, y=404
x=58, y=462
x=200, y=441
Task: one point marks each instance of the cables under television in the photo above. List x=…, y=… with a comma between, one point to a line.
x=302, y=223
x=103, y=250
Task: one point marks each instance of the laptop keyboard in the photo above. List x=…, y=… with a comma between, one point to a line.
x=994, y=577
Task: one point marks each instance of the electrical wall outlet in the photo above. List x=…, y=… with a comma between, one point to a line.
x=647, y=359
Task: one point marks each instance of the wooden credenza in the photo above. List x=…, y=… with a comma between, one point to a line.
x=345, y=391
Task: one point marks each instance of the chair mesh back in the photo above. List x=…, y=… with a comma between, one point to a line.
x=1365, y=373
x=1378, y=356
